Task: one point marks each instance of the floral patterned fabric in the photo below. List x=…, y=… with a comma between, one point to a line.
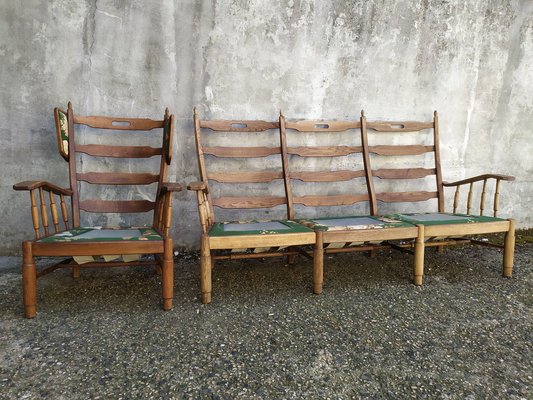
x=107, y=234
x=62, y=132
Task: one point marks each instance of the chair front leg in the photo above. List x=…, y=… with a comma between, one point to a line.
x=167, y=274
x=318, y=263
x=29, y=281
x=508, y=250
x=205, y=269
x=419, y=256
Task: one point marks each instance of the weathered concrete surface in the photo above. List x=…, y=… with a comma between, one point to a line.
x=470, y=60
x=466, y=333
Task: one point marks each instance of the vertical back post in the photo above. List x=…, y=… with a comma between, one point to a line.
x=368, y=168
x=72, y=168
x=201, y=161
x=285, y=165
x=438, y=173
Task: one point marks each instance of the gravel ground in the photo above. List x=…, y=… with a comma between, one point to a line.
x=467, y=333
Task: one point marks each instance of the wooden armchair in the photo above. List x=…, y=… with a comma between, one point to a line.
x=440, y=228
x=67, y=238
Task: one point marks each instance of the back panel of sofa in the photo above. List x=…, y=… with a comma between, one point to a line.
x=399, y=169
x=234, y=171
x=325, y=166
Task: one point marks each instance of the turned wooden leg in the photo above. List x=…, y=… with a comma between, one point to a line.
x=167, y=274
x=205, y=269
x=29, y=281
x=419, y=256
x=440, y=249
x=318, y=263
x=372, y=253
x=508, y=251
x=76, y=271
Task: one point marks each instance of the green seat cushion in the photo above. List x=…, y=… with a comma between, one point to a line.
x=256, y=228
x=353, y=223
x=107, y=234
x=442, y=218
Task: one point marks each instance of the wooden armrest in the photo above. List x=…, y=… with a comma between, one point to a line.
x=480, y=178
x=32, y=185
x=197, y=186
x=171, y=187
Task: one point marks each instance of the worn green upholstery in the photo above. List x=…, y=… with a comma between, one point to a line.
x=239, y=228
x=353, y=223
x=442, y=218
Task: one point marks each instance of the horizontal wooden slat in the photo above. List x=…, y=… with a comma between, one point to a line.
x=404, y=173
x=336, y=200
x=327, y=176
x=398, y=126
x=117, y=206
x=248, y=202
x=241, y=152
x=253, y=241
x=244, y=177
x=322, y=126
x=96, y=248
x=102, y=150
x=324, y=151
x=394, y=197
x=357, y=235
x=118, y=123
x=466, y=229
x=117, y=178
x=400, y=150
x=238, y=126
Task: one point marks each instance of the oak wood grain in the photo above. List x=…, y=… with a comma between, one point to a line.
x=322, y=126
x=248, y=202
x=332, y=200
x=117, y=178
x=324, y=151
x=118, y=123
x=241, y=152
x=244, y=177
x=102, y=150
x=327, y=176
x=394, y=197
x=117, y=206
x=398, y=126
x=403, y=173
x=238, y=125
x=400, y=150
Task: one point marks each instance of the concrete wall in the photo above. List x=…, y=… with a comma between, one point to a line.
x=471, y=60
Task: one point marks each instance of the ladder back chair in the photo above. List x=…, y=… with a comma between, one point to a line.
x=86, y=245
x=345, y=182
x=253, y=238
x=441, y=228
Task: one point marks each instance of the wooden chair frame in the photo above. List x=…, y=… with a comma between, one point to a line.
x=162, y=206
x=454, y=233
x=343, y=236
x=412, y=237
x=209, y=244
